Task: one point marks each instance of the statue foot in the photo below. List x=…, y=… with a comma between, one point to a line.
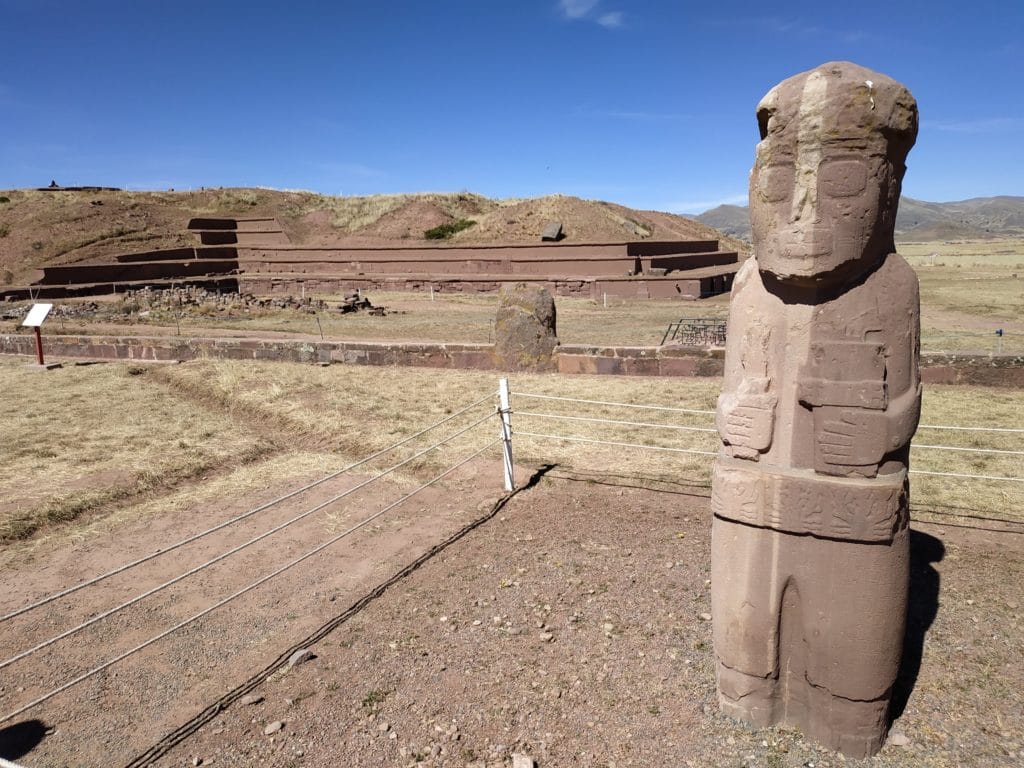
x=746, y=697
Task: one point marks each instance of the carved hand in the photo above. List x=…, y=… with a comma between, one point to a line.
x=745, y=418
x=851, y=437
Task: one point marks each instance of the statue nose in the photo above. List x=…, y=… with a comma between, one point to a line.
x=805, y=206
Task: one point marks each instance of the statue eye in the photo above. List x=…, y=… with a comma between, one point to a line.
x=775, y=183
x=842, y=178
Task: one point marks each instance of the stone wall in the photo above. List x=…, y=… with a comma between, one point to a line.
x=1005, y=371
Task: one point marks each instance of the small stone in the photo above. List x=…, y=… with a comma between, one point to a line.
x=519, y=760
x=273, y=728
x=477, y=622
x=898, y=739
x=383, y=725
x=669, y=565
x=197, y=761
x=300, y=657
x=249, y=699
x=547, y=637
x=705, y=617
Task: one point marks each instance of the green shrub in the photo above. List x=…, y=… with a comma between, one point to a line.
x=4, y=231
x=4, y=199
x=444, y=231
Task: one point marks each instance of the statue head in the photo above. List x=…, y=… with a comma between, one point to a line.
x=827, y=174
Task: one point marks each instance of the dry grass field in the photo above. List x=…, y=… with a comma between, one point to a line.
x=969, y=290
x=87, y=439
x=101, y=463
x=116, y=460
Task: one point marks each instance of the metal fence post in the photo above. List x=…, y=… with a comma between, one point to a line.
x=505, y=412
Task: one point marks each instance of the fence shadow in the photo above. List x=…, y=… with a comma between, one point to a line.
x=696, y=488
x=966, y=513
x=21, y=738
x=922, y=608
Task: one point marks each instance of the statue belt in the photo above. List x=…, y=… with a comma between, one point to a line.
x=803, y=502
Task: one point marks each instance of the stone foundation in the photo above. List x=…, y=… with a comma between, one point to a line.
x=1005, y=371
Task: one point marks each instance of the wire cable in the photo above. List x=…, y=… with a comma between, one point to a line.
x=603, y=402
x=238, y=518
x=180, y=625
x=138, y=598
x=968, y=450
x=970, y=429
x=967, y=477
x=610, y=442
x=612, y=421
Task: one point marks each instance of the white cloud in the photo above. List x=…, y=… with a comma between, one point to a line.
x=584, y=10
x=576, y=9
x=638, y=115
x=981, y=125
x=350, y=170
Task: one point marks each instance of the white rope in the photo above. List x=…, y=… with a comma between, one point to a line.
x=970, y=429
x=243, y=516
x=603, y=402
x=609, y=442
x=235, y=550
x=239, y=593
x=612, y=421
x=968, y=450
x=968, y=477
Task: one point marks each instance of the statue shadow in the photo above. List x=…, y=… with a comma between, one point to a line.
x=922, y=608
x=21, y=738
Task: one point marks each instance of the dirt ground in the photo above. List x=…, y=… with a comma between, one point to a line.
x=567, y=623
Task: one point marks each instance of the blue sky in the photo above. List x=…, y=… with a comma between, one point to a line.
x=648, y=103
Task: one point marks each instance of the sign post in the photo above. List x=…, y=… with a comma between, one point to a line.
x=34, y=320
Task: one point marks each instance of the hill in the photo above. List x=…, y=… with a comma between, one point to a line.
x=917, y=220
x=43, y=228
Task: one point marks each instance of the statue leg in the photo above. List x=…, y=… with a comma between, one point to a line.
x=854, y=600
x=745, y=594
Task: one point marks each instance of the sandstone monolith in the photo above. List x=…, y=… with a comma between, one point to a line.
x=524, y=329
x=820, y=399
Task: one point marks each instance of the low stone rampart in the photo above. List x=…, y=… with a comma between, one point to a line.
x=994, y=371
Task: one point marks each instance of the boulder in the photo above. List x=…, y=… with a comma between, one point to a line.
x=524, y=329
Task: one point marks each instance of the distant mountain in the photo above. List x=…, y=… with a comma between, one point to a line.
x=977, y=218
x=731, y=219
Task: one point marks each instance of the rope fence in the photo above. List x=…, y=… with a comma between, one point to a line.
x=243, y=516
x=502, y=413
x=712, y=430
x=291, y=564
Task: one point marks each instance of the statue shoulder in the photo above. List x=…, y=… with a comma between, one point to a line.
x=895, y=269
x=746, y=275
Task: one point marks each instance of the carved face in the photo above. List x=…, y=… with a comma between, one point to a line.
x=811, y=216
x=824, y=189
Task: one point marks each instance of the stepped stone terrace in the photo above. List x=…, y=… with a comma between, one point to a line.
x=254, y=255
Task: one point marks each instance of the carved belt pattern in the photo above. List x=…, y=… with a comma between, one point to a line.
x=801, y=501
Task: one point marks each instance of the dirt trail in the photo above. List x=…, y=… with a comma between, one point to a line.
x=124, y=709
x=570, y=626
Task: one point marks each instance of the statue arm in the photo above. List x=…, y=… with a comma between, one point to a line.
x=745, y=416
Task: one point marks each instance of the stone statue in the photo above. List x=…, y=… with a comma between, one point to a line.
x=820, y=400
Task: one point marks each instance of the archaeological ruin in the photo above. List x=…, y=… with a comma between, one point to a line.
x=254, y=255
